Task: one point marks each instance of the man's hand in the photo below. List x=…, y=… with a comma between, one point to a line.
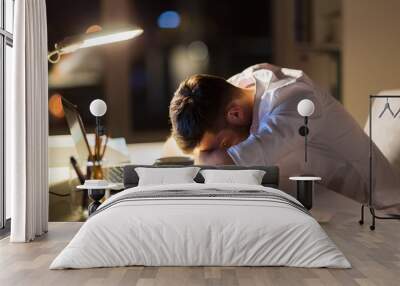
x=213, y=157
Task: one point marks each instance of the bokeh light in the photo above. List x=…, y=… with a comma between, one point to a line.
x=198, y=51
x=169, y=20
x=93, y=29
x=55, y=106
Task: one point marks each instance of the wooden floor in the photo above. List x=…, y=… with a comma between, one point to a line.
x=375, y=257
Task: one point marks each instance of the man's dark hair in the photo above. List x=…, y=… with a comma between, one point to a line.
x=198, y=106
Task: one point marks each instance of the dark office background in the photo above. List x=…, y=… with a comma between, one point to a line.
x=220, y=37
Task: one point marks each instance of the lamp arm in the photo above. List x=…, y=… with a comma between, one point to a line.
x=54, y=56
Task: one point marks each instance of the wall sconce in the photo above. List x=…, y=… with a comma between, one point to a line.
x=305, y=108
x=98, y=108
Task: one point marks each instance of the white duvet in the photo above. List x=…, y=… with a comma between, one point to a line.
x=200, y=231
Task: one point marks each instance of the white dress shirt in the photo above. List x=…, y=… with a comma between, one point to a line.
x=338, y=149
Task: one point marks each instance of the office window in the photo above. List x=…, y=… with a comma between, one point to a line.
x=6, y=45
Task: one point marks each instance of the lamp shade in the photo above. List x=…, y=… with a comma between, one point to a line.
x=305, y=107
x=98, y=107
x=98, y=39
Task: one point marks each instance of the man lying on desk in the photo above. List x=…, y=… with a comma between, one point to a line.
x=252, y=119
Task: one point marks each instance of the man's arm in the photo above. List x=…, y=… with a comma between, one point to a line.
x=213, y=157
x=278, y=130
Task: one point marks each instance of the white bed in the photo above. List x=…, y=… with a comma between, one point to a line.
x=185, y=230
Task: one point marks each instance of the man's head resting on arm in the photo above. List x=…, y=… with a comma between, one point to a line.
x=209, y=115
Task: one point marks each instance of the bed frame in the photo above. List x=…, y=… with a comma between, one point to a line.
x=270, y=179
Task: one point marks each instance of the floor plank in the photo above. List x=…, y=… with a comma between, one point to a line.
x=375, y=257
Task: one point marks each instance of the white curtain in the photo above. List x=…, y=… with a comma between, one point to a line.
x=27, y=124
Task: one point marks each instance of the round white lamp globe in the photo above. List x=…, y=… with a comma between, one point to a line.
x=98, y=107
x=305, y=107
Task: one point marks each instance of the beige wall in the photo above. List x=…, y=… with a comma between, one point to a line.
x=314, y=58
x=371, y=51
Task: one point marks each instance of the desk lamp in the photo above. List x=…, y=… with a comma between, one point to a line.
x=101, y=37
x=305, y=108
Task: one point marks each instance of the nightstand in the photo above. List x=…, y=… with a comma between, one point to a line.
x=97, y=193
x=305, y=189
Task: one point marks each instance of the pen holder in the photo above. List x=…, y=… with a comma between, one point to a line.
x=97, y=171
x=95, y=163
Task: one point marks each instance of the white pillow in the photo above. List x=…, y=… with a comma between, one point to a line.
x=248, y=177
x=164, y=176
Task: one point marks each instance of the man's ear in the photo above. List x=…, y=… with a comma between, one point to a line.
x=235, y=115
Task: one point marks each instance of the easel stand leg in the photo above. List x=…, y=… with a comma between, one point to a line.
x=361, y=221
x=372, y=226
x=374, y=217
